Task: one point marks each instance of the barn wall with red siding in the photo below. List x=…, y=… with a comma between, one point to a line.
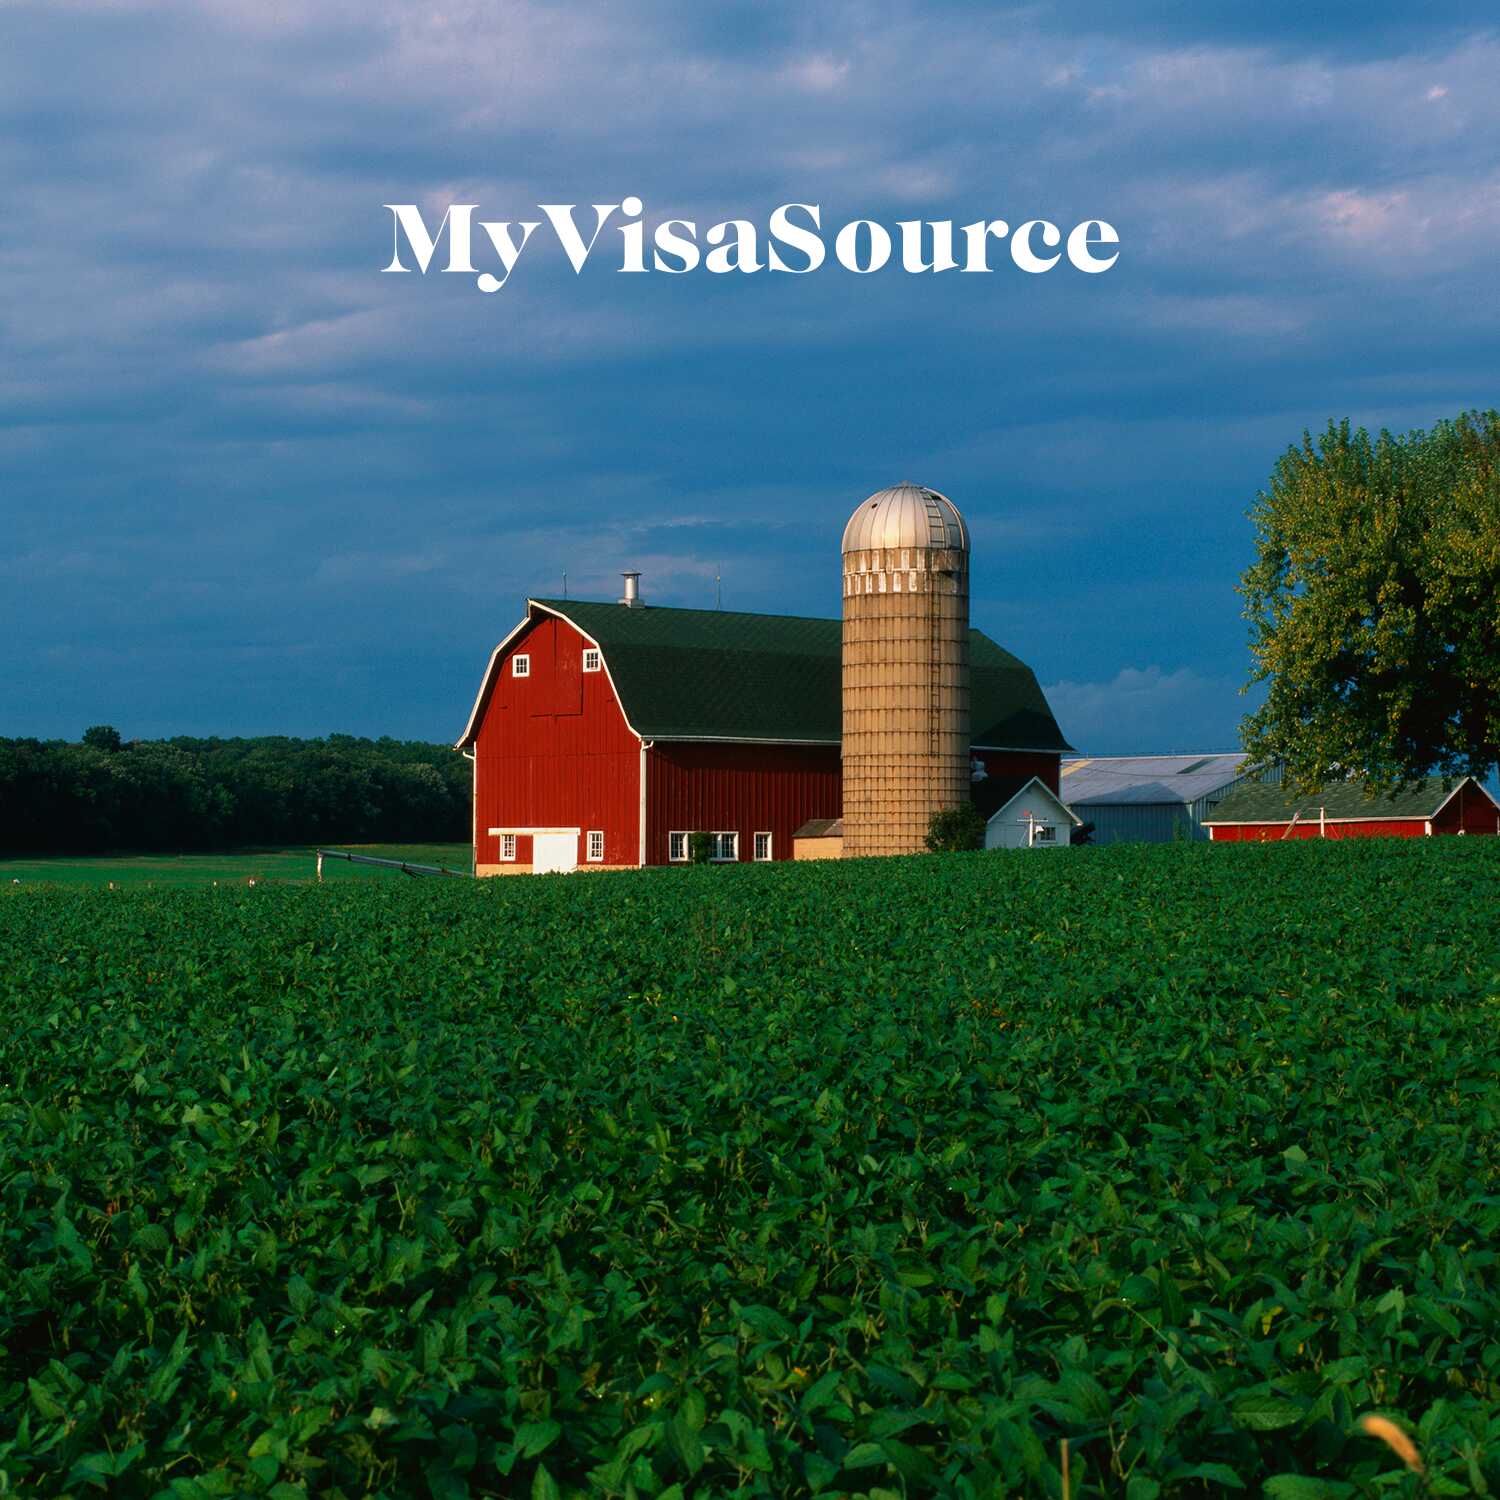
x=1253, y=833
x=746, y=789
x=1471, y=810
x=554, y=751
x=1037, y=763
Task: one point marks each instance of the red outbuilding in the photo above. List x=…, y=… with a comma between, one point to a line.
x=603, y=735
x=1341, y=810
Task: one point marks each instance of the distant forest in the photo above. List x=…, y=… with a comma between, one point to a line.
x=106, y=794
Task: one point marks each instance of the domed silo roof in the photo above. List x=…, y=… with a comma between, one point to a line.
x=906, y=515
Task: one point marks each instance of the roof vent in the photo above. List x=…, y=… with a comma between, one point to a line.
x=632, y=597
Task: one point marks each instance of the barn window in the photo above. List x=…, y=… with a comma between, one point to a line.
x=596, y=844
x=1043, y=833
x=520, y=666
x=726, y=846
x=591, y=659
x=507, y=846
x=762, y=846
x=677, y=847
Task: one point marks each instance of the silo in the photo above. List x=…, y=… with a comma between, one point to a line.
x=905, y=668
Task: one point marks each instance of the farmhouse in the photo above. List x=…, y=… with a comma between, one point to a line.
x=602, y=735
x=1153, y=799
x=1341, y=810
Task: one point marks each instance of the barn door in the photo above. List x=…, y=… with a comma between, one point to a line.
x=554, y=852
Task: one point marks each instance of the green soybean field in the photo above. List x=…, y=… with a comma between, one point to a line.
x=1126, y=1171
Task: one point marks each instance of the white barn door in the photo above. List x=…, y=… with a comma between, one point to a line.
x=554, y=852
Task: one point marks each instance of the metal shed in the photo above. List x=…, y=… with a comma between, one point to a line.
x=1152, y=799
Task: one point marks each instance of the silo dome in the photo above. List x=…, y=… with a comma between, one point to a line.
x=906, y=515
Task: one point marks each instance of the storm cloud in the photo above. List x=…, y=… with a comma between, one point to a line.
x=251, y=484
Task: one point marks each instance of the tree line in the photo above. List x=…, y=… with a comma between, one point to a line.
x=107, y=794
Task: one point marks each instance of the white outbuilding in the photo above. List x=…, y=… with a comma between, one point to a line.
x=1028, y=816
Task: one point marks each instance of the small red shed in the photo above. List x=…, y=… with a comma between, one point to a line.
x=603, y=735
x=1341, y=810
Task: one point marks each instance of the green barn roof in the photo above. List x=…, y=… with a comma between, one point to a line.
x=1257, y=802
x=723, y=674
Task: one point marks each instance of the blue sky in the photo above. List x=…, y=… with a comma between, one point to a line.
x=249, y=484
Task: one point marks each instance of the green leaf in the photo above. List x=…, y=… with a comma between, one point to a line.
x=1220, y=1474
x=1305, y=1487
x=44, y=1401
x=1266, y=1413
x=1436, y=1314
x=535, y=1437
x=819, y=1472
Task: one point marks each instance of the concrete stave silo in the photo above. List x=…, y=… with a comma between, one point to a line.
x=905, y=668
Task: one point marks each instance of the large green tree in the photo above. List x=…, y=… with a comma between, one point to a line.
x=1374, y=601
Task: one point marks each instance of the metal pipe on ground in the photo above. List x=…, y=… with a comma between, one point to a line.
x=390, y=864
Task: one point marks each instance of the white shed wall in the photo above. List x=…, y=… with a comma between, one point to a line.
x=1008, y=829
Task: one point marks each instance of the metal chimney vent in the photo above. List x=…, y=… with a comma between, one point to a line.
x=632, y=598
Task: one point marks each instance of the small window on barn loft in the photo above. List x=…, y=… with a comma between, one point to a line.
x=507, y=846
x=762, y=846
x=591, y=659
x=520, y=666
x=677, y=847
x=596, y=844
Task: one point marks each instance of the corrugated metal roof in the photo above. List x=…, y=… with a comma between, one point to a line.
x=1148, y=779
x=906, y=515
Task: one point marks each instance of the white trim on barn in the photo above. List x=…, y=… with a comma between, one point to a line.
x=533, y=609
x=484, y=686
x=1333, y=818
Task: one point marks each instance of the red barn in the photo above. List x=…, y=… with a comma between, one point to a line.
x=604, y=734
x=1341, y=810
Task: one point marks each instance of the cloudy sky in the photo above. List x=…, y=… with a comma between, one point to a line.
x=250, y=484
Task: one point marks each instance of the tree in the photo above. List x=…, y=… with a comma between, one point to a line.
x=1374, y=603
x=103, y=737
x=954, y=829
x=701, y=847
